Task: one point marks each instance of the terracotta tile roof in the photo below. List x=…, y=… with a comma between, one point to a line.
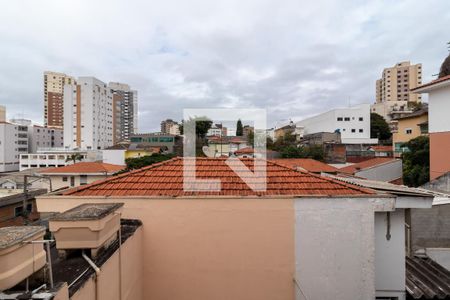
x=166, y=179
x=246, y=150
x=366, y=164
x=431, y=83
x=381, y=148
x=308, y=164
x=84, y=168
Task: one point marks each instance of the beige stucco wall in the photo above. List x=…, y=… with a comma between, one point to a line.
x=409, y=123
x=110, y=284
x=210, y=249
x=250, y=248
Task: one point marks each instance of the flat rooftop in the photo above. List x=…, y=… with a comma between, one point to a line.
x=10, y=236
x=87, y=211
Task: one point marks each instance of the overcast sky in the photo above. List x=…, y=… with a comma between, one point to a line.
x=295, y=58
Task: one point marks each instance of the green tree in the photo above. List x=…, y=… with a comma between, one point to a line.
x=143, y=161
x=379, y=128
x=311, y=151
x=445, y=67
x=416, y=162
x=74, y=157
x=201, y=126
x=239, y=128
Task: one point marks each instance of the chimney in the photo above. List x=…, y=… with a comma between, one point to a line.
x=87, y=226
x=19, y=258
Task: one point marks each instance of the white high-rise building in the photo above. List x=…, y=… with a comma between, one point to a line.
x=353, y=123
x=88, y=115
x=13, y=142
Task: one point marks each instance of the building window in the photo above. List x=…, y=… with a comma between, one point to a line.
x=353, y=130
x=361, y=118
x=72, y=180
x=408, y=131
x=83, y=179
x=347, y=119
x=339, y=119
x=18, y=211
x=64, y=178
x=29, y=207
x=361, y=130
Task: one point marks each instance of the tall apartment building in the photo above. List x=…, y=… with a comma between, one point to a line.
x=53, y=97
x=169, y=126
x=88, y=114
x=2, y=113
x=393, y=89
x=13, y=142
x=124, y=111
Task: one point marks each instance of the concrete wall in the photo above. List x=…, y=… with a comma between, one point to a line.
x=251, y=248
x=390, y=254
x=334, y=249
x=115, y=157
x=430, y=228
x=111, y=283
x=385, y=172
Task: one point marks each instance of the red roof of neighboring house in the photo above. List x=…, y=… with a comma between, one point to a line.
x=246, y=150
x=380, y=148
x=166, y=179
x=85, y=168
x=431, y=83
x=237, y=140
x=308, y=164
x=366, y=164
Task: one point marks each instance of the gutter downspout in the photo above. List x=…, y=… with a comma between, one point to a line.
x=120, y=258
x=97, y=274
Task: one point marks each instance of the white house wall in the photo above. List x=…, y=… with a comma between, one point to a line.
x=438, y=112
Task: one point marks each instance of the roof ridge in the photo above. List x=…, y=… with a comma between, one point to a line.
x=291, y=172
x=354, y=187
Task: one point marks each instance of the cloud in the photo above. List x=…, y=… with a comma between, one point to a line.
x=295, y=58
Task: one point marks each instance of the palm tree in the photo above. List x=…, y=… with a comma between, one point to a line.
x=74, y=157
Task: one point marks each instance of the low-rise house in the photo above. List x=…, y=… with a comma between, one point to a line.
x=56, y=157
x=307, y=165
x=80, y=174
x=118, y=153
x=12, y=210
x=385, y=169
x=409, y=127
x=219, y=146
x=280, y=132
x=249, y=152
x=304, y=236
x=382, y=151
x=16, y=180
x=155, y=140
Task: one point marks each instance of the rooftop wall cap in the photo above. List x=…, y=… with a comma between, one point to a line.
x=13, y=235
x=87, y=211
